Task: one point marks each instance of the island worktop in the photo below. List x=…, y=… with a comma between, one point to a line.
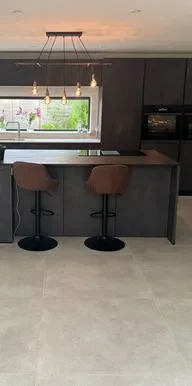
x=75, y=158
x=148, y=208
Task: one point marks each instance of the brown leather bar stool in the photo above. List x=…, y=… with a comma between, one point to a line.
x=107, y=180
x=31, y=176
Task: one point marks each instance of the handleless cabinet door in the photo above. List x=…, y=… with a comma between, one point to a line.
x=122, y=103
x=168, y=148
x=188, y=86
x=164, y=81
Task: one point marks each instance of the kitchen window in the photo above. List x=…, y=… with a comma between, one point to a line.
x=33, y=114
x=79, y=118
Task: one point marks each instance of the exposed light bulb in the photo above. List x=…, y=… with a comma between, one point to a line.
x=34, y=89
x=78, y=90
x=93, y=81
x=47, y=97
x=64, y=98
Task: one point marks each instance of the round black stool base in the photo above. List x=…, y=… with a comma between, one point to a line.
x=35, y=243
x=105, y=244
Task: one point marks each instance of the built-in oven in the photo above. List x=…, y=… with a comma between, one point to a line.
x=187, y=123
x=161, y=122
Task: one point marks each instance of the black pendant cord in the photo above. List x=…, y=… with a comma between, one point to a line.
x=89, y=56
x=50, y=52
x=41, y=53
x=77, y=57
x=64, y=61
x=37, y=63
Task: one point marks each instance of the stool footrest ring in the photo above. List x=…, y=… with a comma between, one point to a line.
x=99, y=214
x=43, y=212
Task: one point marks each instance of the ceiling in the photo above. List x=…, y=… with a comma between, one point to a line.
x=107, y=25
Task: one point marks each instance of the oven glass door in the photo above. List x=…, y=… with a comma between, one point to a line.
x=161, y=126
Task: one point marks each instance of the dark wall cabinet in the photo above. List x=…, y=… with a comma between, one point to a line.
x=164, y=81
x=188, y=84
x=167, y=148
x=122, y=103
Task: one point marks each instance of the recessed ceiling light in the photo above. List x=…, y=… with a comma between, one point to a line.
x=135, y=11
x=16, y=11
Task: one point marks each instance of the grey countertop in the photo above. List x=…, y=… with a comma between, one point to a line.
x=72, y=158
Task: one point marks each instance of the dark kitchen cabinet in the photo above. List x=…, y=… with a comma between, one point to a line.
x=188, y=85
x=122, y=103
x=171, y=149
x=186, y=167
x=6, y=204
x=164, y=81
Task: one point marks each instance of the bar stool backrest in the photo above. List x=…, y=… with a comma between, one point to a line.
x=109, y=179
x=35, y=177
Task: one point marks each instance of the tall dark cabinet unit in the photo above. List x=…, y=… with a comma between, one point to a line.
x=165, y=85
x=164, y=81
x=186, y=145
x=188, y=84
x=122, y=104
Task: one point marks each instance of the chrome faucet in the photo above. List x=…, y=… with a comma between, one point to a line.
x=18, y=127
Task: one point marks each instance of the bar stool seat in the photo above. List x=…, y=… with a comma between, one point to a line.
x=35, y=177
x=107, y=180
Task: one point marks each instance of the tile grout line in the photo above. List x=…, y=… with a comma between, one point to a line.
x=172, y=339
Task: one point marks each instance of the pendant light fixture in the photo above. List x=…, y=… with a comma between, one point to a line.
x=93, y=82
x=37, y=64
x=75, y=37
x=34, y=90
x=47, y=94
x=47, y=97
x=78, y=91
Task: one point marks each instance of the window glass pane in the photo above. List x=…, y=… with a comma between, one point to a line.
x=34, y=113
x=74, y=116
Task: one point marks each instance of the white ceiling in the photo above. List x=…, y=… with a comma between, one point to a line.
x=108, y=25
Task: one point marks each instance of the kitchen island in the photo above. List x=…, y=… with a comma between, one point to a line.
x=147, y=209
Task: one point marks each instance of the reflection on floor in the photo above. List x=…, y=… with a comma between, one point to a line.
x=76, y=317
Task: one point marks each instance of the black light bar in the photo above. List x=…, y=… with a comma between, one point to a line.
x=87, y=64
x=64, y=34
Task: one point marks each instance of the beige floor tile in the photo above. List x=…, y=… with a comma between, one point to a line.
x=171, y=281
x=178, y=315
x=107, y=380
x=19, y=329
x=17, y=380
x=110, y=335
x=21, y=277
x=95, y=274
x=12, y=252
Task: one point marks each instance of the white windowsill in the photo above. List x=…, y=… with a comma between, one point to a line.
x=40, y=136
